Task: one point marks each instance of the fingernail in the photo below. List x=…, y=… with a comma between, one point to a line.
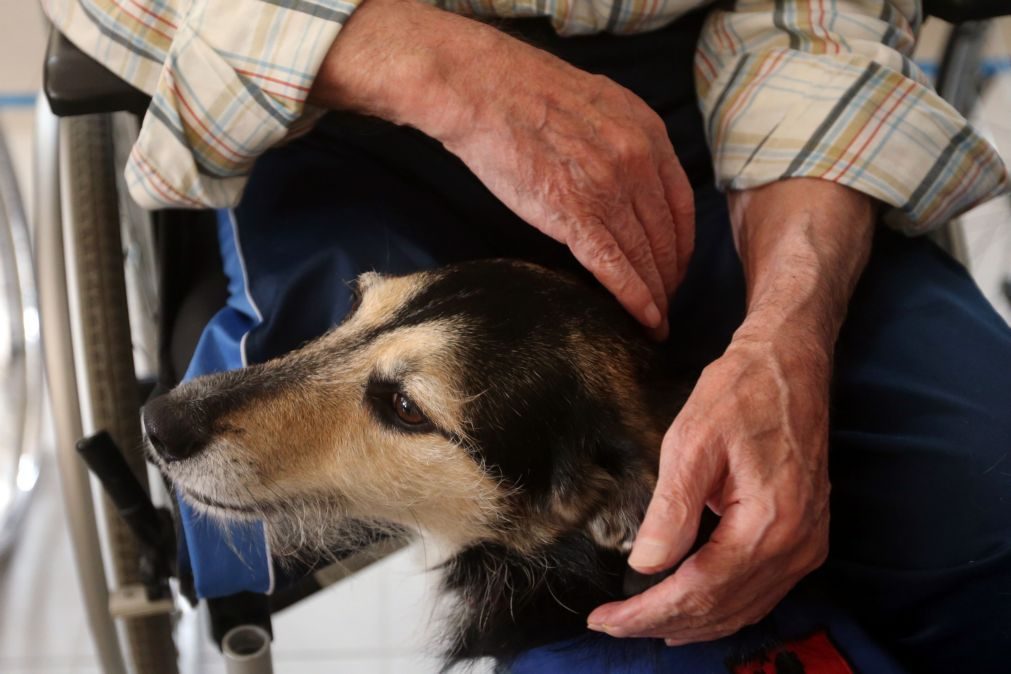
x=648, y=553
x=652, y=315
x=597, y=627
x=669, y=642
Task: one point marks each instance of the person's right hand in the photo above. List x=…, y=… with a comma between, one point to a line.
x=577, y=156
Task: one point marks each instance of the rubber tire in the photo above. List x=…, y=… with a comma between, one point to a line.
x=113, y=397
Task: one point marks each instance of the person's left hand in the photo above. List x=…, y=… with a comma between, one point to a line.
x=751, y=443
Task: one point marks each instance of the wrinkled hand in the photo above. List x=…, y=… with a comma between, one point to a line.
x=751, y=442
x=588, y=163
x=575, y=155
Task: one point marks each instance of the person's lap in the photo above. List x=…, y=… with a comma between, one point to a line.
x=920, y=434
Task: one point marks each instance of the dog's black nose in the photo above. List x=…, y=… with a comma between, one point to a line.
x=173, y=433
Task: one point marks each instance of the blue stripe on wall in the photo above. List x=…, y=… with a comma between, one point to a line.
x=990, y=66
x=15, y=99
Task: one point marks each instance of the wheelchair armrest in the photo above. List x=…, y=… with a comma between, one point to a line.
x=958, y=11
x=76, y=84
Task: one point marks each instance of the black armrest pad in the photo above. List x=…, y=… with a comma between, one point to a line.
x=76, y=84
x=957, y=11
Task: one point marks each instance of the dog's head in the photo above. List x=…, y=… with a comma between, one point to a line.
x=486, y=401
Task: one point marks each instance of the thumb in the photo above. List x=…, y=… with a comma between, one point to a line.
x=670, y=527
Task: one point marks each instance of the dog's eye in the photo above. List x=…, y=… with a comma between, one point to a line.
x=407, y=411
x=356, y=299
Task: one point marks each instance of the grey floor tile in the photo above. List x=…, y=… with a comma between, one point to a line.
x=374, y=665
x=40, y=604
x=413, y=606
x=349, y=616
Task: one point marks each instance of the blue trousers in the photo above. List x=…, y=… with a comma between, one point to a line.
x=920, y=444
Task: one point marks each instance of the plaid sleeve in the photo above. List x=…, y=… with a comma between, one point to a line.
x=228, y=79
x=826, y=89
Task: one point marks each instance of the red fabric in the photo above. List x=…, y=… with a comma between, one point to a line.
x=815, y=654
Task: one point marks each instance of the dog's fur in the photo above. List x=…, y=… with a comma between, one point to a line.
x=544, y=406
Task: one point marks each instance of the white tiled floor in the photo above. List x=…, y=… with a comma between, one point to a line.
x=375, y=623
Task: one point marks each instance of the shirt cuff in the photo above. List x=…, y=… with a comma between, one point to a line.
x=783, y=113
x=234, y=84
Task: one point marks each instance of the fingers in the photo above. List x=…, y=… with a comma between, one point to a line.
x=681, y=201
x=631, y=235
x=687, y=477
x=748, y=565
x=714, y=593
x=597, y=250
x=665, y=206
x=658, y=224
x=648, y=241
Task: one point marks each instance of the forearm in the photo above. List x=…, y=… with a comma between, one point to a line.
x=803, y=244
x=403, y=61
x=573, y=154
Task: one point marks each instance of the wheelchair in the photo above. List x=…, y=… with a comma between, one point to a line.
x=123, y=297
x=119, y=328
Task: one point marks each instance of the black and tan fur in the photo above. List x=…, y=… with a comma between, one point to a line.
x=543, y=405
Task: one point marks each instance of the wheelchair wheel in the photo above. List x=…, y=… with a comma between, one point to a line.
x=112, y=401
x=20, y=360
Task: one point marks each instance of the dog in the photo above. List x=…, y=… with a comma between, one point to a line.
x=510, y=413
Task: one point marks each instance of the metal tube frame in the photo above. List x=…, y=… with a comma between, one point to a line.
x=247, y=650
x=61, y=373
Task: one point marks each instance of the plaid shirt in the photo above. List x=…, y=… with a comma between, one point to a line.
x=816, y=88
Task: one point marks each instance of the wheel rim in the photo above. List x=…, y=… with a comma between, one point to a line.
x=20, y=360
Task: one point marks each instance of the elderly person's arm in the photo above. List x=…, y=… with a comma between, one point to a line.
x=812, y=109
x=752, y=441
x=575, y=155
x=228, y=81
x=811, y=129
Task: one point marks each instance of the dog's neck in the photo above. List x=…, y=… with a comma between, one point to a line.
x=509, y=602
x=526, y=590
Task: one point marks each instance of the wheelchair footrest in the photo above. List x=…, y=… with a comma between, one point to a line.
x=132, y=601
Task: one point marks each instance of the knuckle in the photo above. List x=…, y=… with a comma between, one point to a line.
x=686, y=208
x=780, y=530
x=673, y=504
x=664, y=244
x=640, y=256
x=606, y=174
x=655, y=126
x=782, y=538
x=632, y=145
x=602, y=86
x=793, y=523
x=698, y=604
x=604, y=251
